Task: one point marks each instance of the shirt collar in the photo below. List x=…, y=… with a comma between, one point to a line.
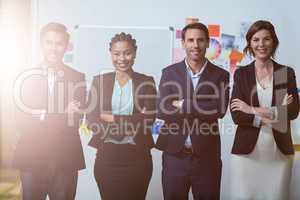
x=48, y=70
x=188, y=67
x=58, y=67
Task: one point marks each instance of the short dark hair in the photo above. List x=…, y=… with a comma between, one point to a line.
x=55, y=27
x=123, y=37
x=198, y=26
x=254, y=28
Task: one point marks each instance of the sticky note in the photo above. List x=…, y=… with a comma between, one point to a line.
x=236, y=55
x=214, y=30
x=178, y=34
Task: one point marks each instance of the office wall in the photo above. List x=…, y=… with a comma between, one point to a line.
x=228, y=14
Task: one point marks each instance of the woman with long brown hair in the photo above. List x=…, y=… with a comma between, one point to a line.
x=264, y=101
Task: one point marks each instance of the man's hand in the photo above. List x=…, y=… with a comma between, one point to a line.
x=107, y=117
x=73, y=107
x=177, y=103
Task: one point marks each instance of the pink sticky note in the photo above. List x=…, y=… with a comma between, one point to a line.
x=178, y=34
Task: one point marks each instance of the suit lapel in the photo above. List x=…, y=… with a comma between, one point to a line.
x=280, y=80
x=186, y=82
x=135, y=83
x=253, y=87
x=205, y=76
x=107, y=86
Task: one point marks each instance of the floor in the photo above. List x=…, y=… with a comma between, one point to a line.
x=10, y=187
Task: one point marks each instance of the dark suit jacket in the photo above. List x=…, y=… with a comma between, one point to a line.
x=284, y=82
x=55, y=140
x=100, y=98
x=201, y=109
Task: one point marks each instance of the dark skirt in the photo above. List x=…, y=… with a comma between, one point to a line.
x=123, y=172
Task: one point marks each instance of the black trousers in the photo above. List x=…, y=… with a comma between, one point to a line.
x=57, y=184
x=120, y=180
x=184, y=171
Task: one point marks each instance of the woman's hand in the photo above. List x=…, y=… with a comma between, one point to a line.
x=263, y=112
x=239, y=105
x=73, y=107
x=267, y=120
x=107, y=117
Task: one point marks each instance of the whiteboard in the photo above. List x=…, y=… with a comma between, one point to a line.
x=91, y=49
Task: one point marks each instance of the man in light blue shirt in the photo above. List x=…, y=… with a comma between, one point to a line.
x=194, y=94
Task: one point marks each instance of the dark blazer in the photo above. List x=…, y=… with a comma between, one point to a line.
x=100, y=98
x=55, y=140
x=244, y=88
x=200, y=112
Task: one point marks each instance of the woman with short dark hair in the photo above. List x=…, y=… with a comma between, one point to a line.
x=121, y=123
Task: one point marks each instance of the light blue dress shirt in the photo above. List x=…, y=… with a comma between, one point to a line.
x=122, y=99
x=195, y=79
x=122, y=104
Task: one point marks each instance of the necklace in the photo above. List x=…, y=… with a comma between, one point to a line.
x=264, y=74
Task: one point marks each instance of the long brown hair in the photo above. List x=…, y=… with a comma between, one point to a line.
x=254, y=28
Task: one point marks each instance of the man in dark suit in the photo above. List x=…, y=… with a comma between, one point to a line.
x=193, y=95
x=48, y=102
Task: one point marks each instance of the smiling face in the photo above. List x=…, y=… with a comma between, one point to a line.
x=262, y=44
x=122, y=55
x=54, y=46
x=195, y=44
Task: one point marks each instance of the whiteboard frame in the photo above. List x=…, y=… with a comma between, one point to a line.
x=170, y=28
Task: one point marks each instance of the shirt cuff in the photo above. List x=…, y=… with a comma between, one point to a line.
x=257, y=121
x=274, y=111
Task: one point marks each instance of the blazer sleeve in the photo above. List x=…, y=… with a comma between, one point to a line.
x=193, y=108
x=80, y=91
x=238, y=117
x=76, y=89
x=32, y=97
x=79, y=94
x=93, y=106
x=165, y=110
x=27, y=122
x=210, y=109
x=290, y=111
